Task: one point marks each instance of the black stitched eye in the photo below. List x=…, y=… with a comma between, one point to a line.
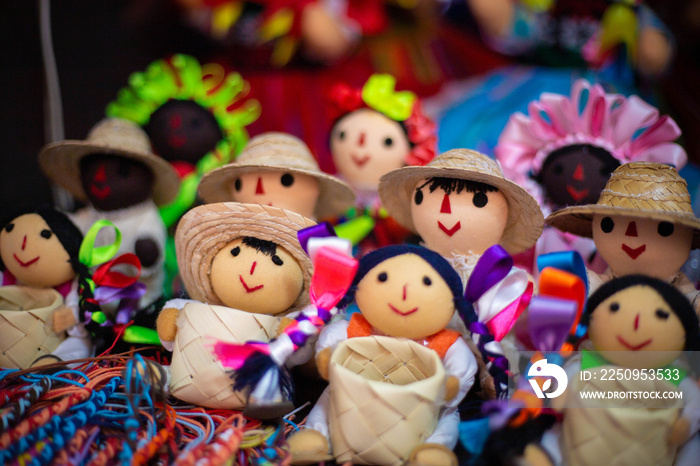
x=287, y=180
x=661, y=314
x=341, y=135
x=9, y=227
x=427, y=281
x=607, y=225
x=45, y=234
x=236, y=251
x=480, y=199
x=382, y=277
x=276, y=260
x=124, y=170
x=388, y=142
x=614, y=307
x=665, y=229
x=418, y=197
x=558, y=169
x=237, y=184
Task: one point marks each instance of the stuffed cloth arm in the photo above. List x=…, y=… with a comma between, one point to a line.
x=460, y=362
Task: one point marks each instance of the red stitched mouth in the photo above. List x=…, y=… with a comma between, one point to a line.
x=575, y=194
x=359, y=161
x=634, y=253
x=451, y=231
x=402, y=312
x=100, y=193
x=25, y=264
x=633, y=347
x=176, y=141
x=247, y=288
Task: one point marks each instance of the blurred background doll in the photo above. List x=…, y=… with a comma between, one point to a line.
x=244, y=268
x=564, y=150
x=643, y=223
x=406, y=292
x=638, y=323
x=115, y=172
x=377, y=130
x=277, y=169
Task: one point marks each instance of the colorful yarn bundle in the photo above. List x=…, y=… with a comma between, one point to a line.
x=112, y=410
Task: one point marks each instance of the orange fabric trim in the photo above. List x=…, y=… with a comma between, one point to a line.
x=439, y=342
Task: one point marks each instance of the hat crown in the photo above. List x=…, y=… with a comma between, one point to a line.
x=647, y=186
x=278, y=150
x=119, y=134
x=469, y=160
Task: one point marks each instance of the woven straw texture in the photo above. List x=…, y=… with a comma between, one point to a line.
x=196, y=375
x=640, y=189
x=204, y=230
x=26, y=324
x=618, y=432
x=525, y=219
x=385, y=398
x=278, y=152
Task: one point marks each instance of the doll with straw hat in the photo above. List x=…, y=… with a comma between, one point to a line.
x=115, y=172
x=643, y=223
x=244, y=268
x=277, y=169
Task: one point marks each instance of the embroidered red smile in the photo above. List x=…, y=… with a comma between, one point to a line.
x=636, y=252
x=575, y=194
x=247, y=288
x=25, y=264
x=450, y=231
x=403, y=313
x=100, y=193
x=633, y=347
x=359, y=161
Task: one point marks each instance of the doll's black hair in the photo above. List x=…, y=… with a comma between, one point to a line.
x=457, y=185
x=504, y=446
x=261, y=245
x=678, y=303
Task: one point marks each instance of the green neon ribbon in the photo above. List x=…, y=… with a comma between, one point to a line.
x=91, y=255
x=379, y=94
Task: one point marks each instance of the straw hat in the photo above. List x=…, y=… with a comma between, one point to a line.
x=525, y=219
x=205, y=230
x=60, y=161
x=639, y=189
x=273, y=151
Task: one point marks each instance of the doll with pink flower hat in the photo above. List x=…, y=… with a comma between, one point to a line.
x=564, y=150
x=377, y=129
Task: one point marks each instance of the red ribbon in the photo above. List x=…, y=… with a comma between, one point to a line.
x=106, y=275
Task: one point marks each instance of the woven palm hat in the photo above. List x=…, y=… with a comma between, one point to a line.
x=205, y=230
x=525, y=219
x=639, y=189
x=274, y=151
x=60, y=161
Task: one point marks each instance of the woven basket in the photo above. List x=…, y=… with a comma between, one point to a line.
x=385, y=397
x=26, y=324
x=196, y=375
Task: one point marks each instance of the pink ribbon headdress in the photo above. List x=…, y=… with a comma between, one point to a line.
x=627, y=127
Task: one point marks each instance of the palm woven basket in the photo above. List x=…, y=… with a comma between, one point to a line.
x=386, y=394
x=26, y=324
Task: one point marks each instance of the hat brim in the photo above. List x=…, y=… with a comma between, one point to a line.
x=525, y=219
x=579, y=219
x=334, y=198
x=60, y=162
x=204, y=230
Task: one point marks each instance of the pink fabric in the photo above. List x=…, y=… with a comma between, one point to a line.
x=501, y=323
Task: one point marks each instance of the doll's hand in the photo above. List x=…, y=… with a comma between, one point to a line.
x=654, y=52
x=451, y=387
x=323, y=360
x=165, y=324
x=284, y=323
x=147, y=251
x=680, y=431
x=63, y=319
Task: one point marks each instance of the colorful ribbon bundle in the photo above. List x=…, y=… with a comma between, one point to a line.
x=257, y=365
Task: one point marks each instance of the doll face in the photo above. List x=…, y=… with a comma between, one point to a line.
x=575, y=175
x=635, y=245
x=405, y=297
x=33, y=253
x=458, y=222
x=112, y=182
x=365, y=145
x=635, y=327
x=182, y=130
x=256, y=279
x=287, y=190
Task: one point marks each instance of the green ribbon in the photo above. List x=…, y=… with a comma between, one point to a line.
x=379, y=94
x=91, y=255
